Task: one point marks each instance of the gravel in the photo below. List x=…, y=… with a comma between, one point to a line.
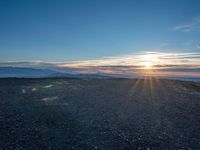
x=143, y=114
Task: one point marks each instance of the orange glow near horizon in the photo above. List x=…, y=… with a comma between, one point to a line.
x=144, y=60
x=144, y=64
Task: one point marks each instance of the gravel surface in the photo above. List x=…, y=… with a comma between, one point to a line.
x=84, y=114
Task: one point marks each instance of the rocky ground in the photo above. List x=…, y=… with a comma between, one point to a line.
x=99, y=114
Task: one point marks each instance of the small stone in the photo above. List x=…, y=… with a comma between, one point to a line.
x=34, y=89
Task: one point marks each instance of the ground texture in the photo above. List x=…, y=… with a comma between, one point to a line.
x=99, y=114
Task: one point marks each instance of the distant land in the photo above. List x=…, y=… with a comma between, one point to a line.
x=23, y=72
x=19, y=72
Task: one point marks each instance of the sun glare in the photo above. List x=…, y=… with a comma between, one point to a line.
x=148, y=65
x=148, y=61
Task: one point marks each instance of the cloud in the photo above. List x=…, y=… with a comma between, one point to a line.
x=139, y=60
x=193, y=25
x=30, y=64
x=163, y=64
x=198, y=46
x=128, y=60
x=184, y=28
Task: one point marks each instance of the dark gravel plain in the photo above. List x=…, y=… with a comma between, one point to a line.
x=107, y=114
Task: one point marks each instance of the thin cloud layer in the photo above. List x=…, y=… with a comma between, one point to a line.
x=193, y=25
x=139, y=60
x=147, y=63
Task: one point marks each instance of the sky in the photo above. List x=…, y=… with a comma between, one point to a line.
x=88, y=33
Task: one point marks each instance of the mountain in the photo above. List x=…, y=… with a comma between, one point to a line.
x=19, y=72
x=27, y=72
x=39, y=73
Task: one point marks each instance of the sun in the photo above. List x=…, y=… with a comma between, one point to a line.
x=147, y=61
x=148, y=65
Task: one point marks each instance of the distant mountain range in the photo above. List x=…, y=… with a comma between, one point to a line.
x=19, y=72
x=25, y=72
x=39, y=73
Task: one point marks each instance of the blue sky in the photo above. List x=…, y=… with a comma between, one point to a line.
x=77, y=30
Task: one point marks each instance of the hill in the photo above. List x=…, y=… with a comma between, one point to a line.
x=64, y=113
